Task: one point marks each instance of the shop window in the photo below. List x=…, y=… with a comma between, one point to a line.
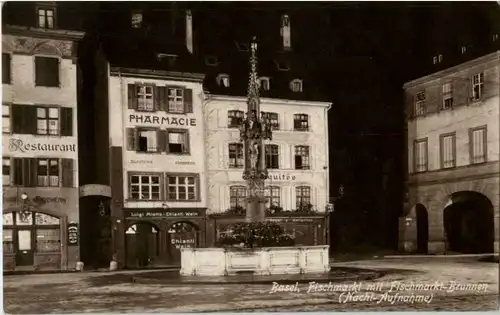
x=8, y=240
x=44, y=219
x=48, y=240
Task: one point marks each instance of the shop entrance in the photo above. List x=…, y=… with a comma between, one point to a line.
x=181, y=235
x=141, y=245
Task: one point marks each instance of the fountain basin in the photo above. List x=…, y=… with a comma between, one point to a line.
x=256, y=261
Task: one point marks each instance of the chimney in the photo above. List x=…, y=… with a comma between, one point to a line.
x=285, y=32
x=189, y=31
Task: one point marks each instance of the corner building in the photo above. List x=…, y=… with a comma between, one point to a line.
x=39, y=142
x=453, y=147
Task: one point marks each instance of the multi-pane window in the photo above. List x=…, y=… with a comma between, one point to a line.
x=302, y=157
x=6, y=118
x=237, y=196
x=48, y=240
x=420, y=104
x=296, y=85
x=264, y=84
x=145, y=187
x=6, y=171
x=182, y=188
x=136, y=19
x=235, y=118
x=145, y=99
x=477, y=139
x=447, y=96
x=46, y=18
x=6, y=71
x=273, y=120
x=301, y=122
x=302, y=196
x=48, y=172
x=477, y=85
x=447, y=150
x=272, y=156
x=47, y=121
x=236, y=159
x=272, y=193
x=420, y=152
x=148, y=141
x=46, y=71
x=178, y=141
x=175, y=100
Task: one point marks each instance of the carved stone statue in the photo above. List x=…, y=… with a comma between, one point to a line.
x=254, y=153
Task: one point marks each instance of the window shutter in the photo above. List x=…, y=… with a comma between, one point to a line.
x=188, y=100
x=432, y=96
x=39, y=71
x=161, y=93
x=57, y=81
x=66, y=121
x=132, y=96
x=162, y=140
x=131, y=139
x=18, y=171
x=188, y=144
x=156, y=98
x=67, y=173
x=29, y=172
x=461, y=92
x=17, y=118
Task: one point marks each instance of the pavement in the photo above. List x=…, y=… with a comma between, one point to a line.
x=451, y=284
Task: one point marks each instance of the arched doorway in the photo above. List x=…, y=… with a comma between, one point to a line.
x=26, y=234
x=142, y=241
x=469, y=223
x=422, y=228
x=181, y=235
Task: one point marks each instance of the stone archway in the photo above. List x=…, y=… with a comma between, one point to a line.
x=142, y=244
x=468, y=220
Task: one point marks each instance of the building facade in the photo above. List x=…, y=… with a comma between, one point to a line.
x=296, y=158
x=453, y=159
x=40, y=151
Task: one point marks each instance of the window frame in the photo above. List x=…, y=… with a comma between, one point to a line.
x=308, y=157
x=299, y=88
x=59, y=83
x=484, y=128
x=267, y=86
x=234, y=162
x=152, y=129
x=230, y=118
x=140, y=185
x=136, y=24
x=447, y=95
x=11, y=167
x=270, y=196
x=302, y=196
x=47, y=119
x=48, y=175
x=9, y=116
x=221, y=77
x=141, y=94
x=422, y=103
x=275, y=119
x=480, y=84
x=299, y=117
x=197, y=184
x=236, y=188
x=187, y=138
x=269, y=157
x=453, y=148
x=46, y=8
x=176, y=99
x=415, y=157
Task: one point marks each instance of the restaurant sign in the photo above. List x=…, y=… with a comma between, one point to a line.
x=18, y=145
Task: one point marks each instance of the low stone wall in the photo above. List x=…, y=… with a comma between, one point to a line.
x=259, y=261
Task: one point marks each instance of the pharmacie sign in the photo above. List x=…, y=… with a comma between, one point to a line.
x=18, y=145
x=161, y=120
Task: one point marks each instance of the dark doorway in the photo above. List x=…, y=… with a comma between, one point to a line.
x=142, y=245
x=469, y=223
x=422, y=228
x=181, y=235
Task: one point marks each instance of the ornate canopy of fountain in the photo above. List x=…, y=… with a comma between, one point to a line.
x=254, y=129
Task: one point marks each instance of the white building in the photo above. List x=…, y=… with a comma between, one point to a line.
x=297, y=156
x=39, y=142
x=453, y=151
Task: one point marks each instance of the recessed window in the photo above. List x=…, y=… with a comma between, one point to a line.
x=301, y=122
x=47, y=121
x=302, y=196
x=169, y=58
x=236, y=159
x=182, y=187
x=237, y=196
x=145, y=99
x=235, y=118
x=273, y=196
x=136, y=19
x=264, y=83
x=6, y=171
x=6, y=118
x=45, y=17
x=448, y=153
x=272, y=119
x=447, y=96
x=175, y=100
x=48, y=172
x=211, y=61
x=302, y=157
x=6, y=69
x=420, y=151
x=272, y=156
x=223, y=80
x=145, y=187
x=178, y=141
x=477, y=86
x=148, y=140
x=477, y=140
x=420, y=104
x=296, y=85
x=46, y=71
